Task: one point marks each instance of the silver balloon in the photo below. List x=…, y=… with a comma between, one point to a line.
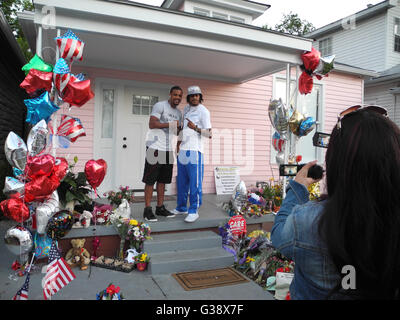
x=16, y=151
x=37, y=138
x=325, y=65
x=45, y=211
x=12, y=185
x=19, y=241
x=280, y=158
x=278, y=115
x=239, y=196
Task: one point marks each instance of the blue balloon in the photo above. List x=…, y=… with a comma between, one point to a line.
x=40, y=108
x=306, y=126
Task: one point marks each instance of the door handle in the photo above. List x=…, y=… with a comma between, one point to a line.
x=124, y=146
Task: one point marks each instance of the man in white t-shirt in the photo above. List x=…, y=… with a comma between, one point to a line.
x=165, y=121
x=196, y=127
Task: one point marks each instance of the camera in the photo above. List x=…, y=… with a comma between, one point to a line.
x=289, y=170
x=321, y=139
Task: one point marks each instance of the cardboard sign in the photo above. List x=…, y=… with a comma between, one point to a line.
x=226, y=178
x=238, y=225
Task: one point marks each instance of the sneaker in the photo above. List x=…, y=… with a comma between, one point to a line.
x=148, y=214
x=192, y=217
x=162, y=211
x=175, y=212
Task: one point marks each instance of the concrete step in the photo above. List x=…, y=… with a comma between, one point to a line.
x=189, y=260
x=178, y=241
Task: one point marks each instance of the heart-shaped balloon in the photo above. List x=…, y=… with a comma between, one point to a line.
x=61, y=168
x=15, y=150
x=39, y=166
x=95, y=171
x=41, y=188
x=15, y=209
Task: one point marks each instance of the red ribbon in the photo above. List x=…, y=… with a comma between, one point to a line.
x=16, y=265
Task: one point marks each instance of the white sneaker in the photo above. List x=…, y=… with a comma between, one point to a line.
x=192, y=217
x=176, y=212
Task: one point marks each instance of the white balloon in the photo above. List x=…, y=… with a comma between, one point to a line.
x=15, y=150
x=45, y=211
x=37, y=138
x=280, y=158
x=239, y=196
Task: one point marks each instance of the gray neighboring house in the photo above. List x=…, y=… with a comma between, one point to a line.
x=12, y=107
x=369, y=39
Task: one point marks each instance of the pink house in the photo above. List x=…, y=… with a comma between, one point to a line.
x=134, y=53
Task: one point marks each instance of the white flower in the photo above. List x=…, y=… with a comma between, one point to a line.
x=136, y=234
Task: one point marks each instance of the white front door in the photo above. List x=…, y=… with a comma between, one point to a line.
x=133, y=124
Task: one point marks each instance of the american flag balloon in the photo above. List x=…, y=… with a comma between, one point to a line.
x=71, y=128
x=61, y=75
x=70, y=46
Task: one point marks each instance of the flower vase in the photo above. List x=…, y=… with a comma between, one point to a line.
x=141, y=266
x=136, y=245
x=121, y=249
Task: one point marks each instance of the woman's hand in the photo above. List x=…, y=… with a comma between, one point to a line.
x=302, y=178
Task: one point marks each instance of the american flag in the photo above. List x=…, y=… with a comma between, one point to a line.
x=58, y=274
x=22, y=294
x=71, y=128
x=70, y=46
x=61, y=75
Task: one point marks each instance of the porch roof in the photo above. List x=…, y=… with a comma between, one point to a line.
x=132, y=36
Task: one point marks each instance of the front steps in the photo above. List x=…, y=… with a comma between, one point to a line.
x=186, y=251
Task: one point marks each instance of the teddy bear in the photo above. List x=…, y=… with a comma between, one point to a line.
x=78, y=255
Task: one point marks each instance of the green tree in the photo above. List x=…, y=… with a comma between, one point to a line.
x=291, y=23
x=10, y=9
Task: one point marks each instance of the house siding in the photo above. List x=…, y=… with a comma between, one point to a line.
x=380, y=95
x=392, y=57
x=237, y=107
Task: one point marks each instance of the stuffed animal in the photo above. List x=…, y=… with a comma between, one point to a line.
x=84, y=220
x=124, y=210
x=78, y=255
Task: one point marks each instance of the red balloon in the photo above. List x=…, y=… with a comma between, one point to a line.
x=39, y=166
x=78, y=93
x=15, y=209
x=36, y=80
x=311, y=59
x=60, y=168
x=41, y=188
x=306, y=83
x=95, y=171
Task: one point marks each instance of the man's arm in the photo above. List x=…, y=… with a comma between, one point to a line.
x=204, y=132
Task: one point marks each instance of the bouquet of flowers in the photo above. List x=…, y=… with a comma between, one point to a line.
x=138, y=232
x=115, y=197
x=142, y=258
x=110, y=293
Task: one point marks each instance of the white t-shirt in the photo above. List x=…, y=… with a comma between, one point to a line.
x=200, y=116
x=161, y=139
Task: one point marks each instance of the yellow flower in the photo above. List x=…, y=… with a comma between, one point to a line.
x=249, y=259
x=133, y=222
x=143, y=257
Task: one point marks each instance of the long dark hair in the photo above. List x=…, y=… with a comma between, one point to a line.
x=360, y=223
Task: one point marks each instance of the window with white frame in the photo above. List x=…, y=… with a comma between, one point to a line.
x=325, y=46
x=219, y=15
x=397, y=34
x=310, y=106
x=237, y=19
x=107, y=114
x=142, y=104
x=201, y=12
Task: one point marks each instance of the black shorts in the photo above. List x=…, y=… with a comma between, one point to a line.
x=158, y=166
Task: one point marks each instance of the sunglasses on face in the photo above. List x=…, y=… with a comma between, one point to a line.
x=377, y=109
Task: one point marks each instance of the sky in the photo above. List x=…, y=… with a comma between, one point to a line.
x=318, y=12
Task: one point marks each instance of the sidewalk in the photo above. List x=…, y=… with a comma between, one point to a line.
x=134, y=285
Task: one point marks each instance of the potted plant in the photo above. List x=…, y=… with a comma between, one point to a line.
x=116, y=197
x=141, y=261
x=74, y=190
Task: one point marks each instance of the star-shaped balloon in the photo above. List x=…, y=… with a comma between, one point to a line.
x=78, y=93
x=61, y=75
x=37, y=79
x=70, y=46
x=40, y=108
x=37, y=63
